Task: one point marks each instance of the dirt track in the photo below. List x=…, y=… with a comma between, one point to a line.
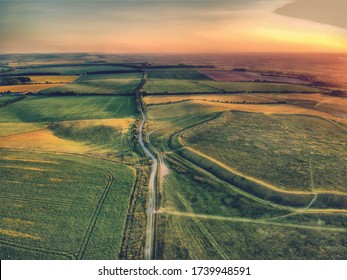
x=151, y=208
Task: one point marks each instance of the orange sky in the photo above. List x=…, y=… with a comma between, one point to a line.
x=161, y=26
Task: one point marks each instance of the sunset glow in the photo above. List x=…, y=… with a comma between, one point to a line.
x=161, y=26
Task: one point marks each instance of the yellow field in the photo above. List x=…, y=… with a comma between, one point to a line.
x=329, y=104
x=334, y=108
x=41, y=140
x=274, y=109
x=14, y=158
x=45, y=140
x=15, y=64
x=13, y=233
x=122, y=124
x=213, y=97
x=7, y=129
x=25, y=88
x=52, y=79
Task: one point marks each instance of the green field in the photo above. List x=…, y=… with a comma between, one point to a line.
x=188, y=189
x=176, y=81
x=203, y=216
x=224, y=98
x=257, y=87
x=100, y=84
x=207, y=238
x=68, y=70
x=4, y=68
x=294, y=152
x=166, y=120
x=112, y=137
x=175, y=86
x=191, y=81
x=63, y=196
x=240, y=176
x=49, y=109
x=62, y=207
x=4, y=98
x=176, y=74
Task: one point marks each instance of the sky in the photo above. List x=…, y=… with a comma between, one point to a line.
x=166, y=26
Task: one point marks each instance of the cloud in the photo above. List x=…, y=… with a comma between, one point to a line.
x=332, y=12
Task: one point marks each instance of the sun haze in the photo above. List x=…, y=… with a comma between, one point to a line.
x=162, y=26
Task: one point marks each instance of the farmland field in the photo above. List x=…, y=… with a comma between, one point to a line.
x=26, y=87
x=152, y=99
x=9, y=128
x=258, y=87
x=52, y=79
x=101, y=84
x=176, y=81
x=4, y=98
x=176, y=86
x=49, y=109
x=245, y=170
x=236, y=76
x=62, y=207
x=176, y=74
x=330, y=104
x=109, y=138
x=68, y=70
x=67, y=176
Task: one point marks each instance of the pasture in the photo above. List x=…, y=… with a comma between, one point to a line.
x=61, y=206
x=202, y=216
x=294, y=152
x=52, y=109
x=101, y=84
x=198, y=237
x=186, y=188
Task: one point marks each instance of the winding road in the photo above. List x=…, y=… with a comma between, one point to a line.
x=150, y=229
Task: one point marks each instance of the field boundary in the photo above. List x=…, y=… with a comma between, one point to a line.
x=123, y=253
